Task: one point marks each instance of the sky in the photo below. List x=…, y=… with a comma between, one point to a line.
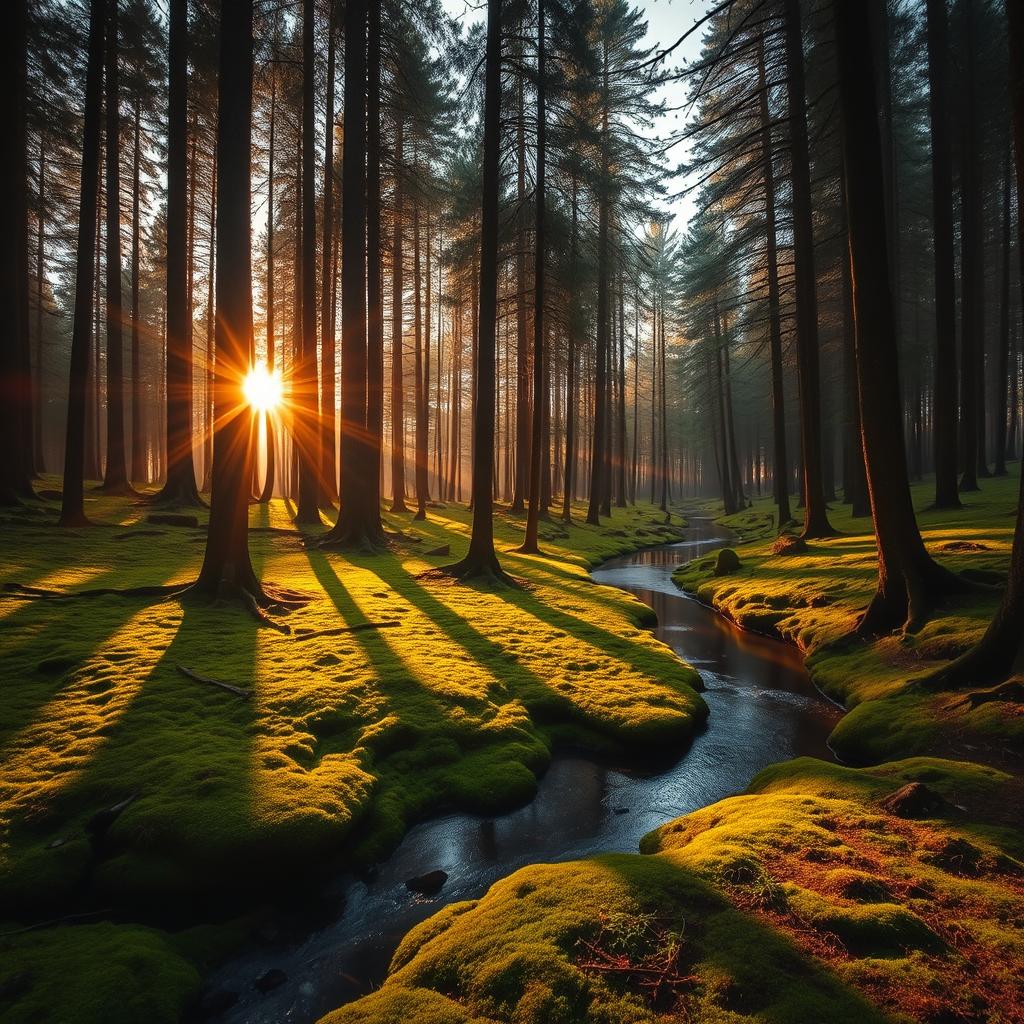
x=667, y=20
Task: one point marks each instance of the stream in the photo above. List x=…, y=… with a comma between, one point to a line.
x=763, y=707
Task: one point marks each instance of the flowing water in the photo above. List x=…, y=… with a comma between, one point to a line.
x=763, y=706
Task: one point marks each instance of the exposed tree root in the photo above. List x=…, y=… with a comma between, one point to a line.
x=238, y=691
x=360, y=541
x=488, y=575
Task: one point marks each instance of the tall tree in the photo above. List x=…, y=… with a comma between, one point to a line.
x=72, y=509
x=115, y=476
x=909, y=581
x=816, y=522
x=997, y=654
x=227, y=569
x=180, y=485
x=944, y=407
x=15, y=381
x=481, y=559
x=358, y=522
x=307, y=432
x=529, y=545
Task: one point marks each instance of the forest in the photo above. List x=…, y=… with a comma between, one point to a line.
x=511, y=512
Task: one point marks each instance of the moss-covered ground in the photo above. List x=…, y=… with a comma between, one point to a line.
x=813, y=598
x=802, y=900
x=813, y=896
x=132, y=792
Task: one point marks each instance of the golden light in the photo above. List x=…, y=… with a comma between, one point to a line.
x=262, y=388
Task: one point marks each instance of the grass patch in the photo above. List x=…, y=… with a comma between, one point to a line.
x=814, y=597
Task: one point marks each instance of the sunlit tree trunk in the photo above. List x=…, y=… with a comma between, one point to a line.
x=529, y=545
x=374, y=276
x=271, y=439
x=227, y=568
x=481, y=559
x=328, y=470
x=307, y=428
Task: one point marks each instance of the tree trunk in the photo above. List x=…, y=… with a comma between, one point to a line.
x=115, y=476
x=972, y=261
x=138, y=460
x=530, y=545
x=72, y=511
x=908, y=580
x=417, y=328
x=523, y=438
x=398, y=338
x=328, y=465
x=16, y=463
x=358, y=522
x=481, y=559
x=1003, y=366
x=816, y=522
x=944, y=411
x=269, y=419
x=180, y=484
x=571, y=399
x=597, y=454
x=374, y=279
x=227, y=569
x=307, y=430
x=997, y=654
x=780, y=469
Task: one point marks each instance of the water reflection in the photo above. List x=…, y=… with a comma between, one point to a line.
x=763, y=709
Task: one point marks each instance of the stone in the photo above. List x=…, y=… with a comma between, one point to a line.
x=274, y=978
x=728, y=561
x=914, y=800
x=429, y=884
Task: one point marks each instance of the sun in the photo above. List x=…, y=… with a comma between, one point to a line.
x=262, y=388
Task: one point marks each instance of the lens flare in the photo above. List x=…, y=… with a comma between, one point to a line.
x=262, y=388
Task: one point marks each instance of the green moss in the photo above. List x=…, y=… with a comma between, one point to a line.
x=455, y=701
x=799, y=900
x=813, y=598
x=121, y=974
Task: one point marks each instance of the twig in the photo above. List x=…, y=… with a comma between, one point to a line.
x=238, y=691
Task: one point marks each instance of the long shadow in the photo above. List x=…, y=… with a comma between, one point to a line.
x=46, y=643
x=653, y=660
x=495, y=658
x=183, y=751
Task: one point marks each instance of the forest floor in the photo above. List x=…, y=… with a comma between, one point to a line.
x=822, y=893
x=137, y=801
x=812, y=596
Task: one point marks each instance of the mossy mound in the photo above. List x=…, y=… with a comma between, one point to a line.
x=812, y=596
x=121, y=974
x=799, y=901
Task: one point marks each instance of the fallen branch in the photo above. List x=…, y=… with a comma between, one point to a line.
x=238, y=691
x=359, y=627
x=66, y=919
x=19, y=590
